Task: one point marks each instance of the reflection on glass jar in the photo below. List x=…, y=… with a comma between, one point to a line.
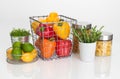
x=104, y=44
x=75, y=39
x=102, y=66
x=20, y=38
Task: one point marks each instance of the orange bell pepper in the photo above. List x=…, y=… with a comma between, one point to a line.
x=47, y=47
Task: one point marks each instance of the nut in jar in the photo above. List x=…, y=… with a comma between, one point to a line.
x=104, y=44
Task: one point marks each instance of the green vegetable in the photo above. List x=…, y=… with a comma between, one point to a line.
x=86, y=36
x=19, y=32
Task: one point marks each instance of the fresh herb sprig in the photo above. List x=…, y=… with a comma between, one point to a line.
x=19, y=32
x=86, y=36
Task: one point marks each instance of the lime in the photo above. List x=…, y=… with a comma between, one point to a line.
x=17, y=44
x=27, y=47
x=16, y=53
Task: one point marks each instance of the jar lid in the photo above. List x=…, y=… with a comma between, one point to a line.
x=106, y=36
x=86, y=24
x=82, y=24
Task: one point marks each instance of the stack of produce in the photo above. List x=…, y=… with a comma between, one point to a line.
x=53, y=33
x=23, y=52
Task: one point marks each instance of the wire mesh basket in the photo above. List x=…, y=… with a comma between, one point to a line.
x=52, y=42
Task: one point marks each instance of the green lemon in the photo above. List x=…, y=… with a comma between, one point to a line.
x=17, y=44
x=27, y=47
x=16, y=53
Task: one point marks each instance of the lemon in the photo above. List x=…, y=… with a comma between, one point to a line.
x=27, y=57
x=34, y=53
x=9, y=55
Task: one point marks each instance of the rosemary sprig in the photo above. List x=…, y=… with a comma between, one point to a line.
x=86, y=36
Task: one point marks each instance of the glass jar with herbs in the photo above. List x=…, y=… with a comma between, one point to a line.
x=21, y=35
x=75, y=39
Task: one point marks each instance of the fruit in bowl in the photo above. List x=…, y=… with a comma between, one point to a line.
x=16, y=53
x=27, y=47
x=24, y=52
x=9, y=55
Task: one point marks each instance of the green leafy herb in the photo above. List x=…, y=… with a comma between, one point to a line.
x=86, y=36
x=19, y=32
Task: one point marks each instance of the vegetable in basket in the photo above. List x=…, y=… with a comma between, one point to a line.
x=35, y=25
x=45, y=31
x=52, y=17
x=46, y=46
x=63, y=48
x=62, y=29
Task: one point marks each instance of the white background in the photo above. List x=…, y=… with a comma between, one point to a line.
x=15, y=13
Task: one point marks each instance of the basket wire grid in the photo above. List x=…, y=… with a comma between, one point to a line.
x=71, y=22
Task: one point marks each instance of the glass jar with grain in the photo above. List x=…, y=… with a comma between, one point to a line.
x=104, y=44
x=75, y=39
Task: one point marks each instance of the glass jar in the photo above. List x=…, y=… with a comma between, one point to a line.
x=75, y=39
x=104, y=44
x=20, y=38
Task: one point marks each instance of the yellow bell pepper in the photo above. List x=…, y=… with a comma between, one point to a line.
x=53, y=14
x=62, y=29
x=52, y=17
x=42, y=20
x=35, y=24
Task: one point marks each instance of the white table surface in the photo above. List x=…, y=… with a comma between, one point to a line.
x=66, y=68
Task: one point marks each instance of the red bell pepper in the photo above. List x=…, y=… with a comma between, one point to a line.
x=63, y=47
x=45, y=31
